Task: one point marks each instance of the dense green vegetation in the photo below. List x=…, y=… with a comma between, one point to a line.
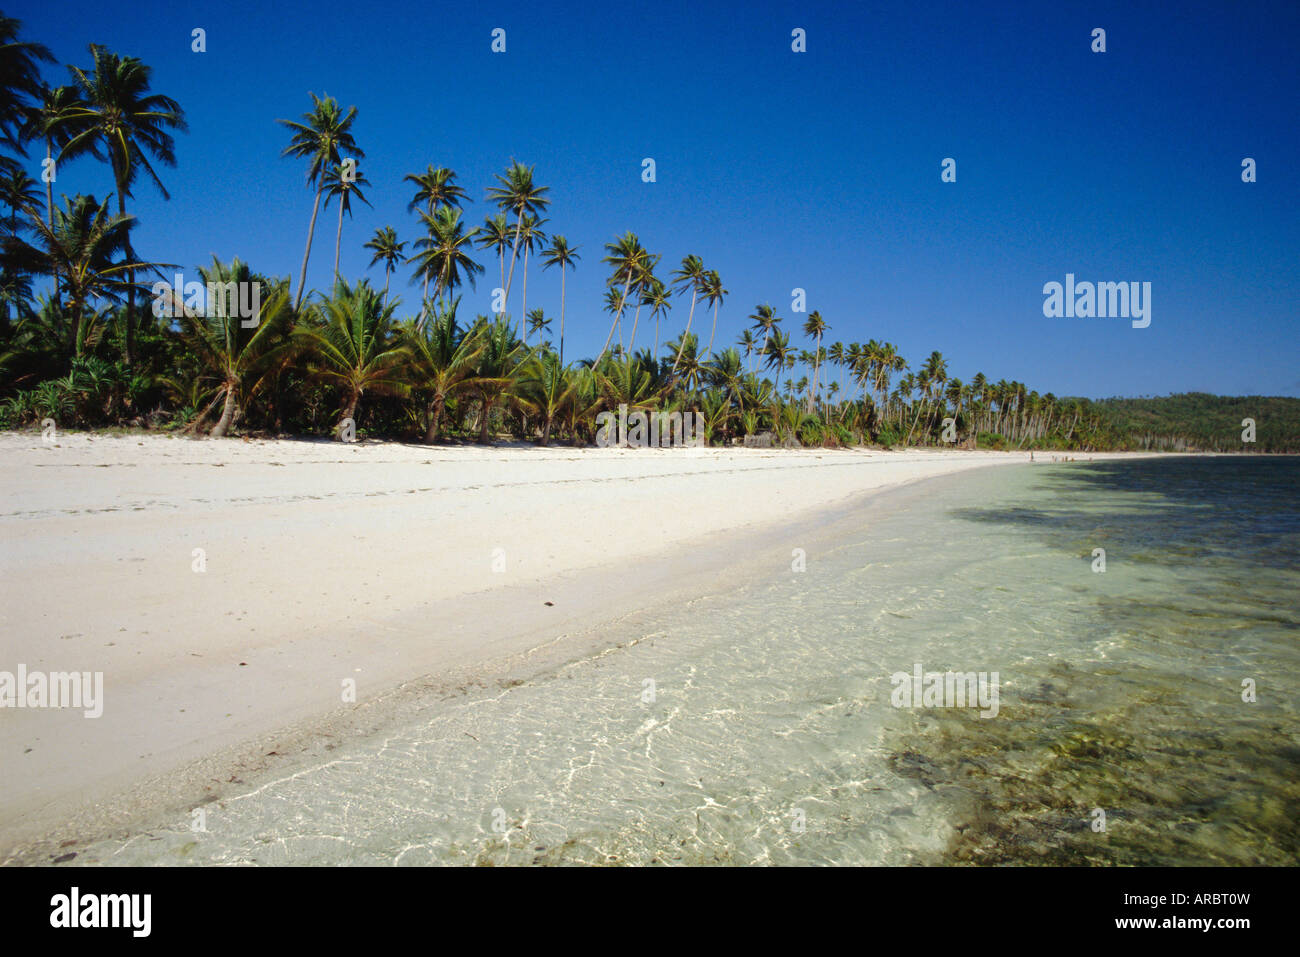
x=1197, y=420
x=94, y=350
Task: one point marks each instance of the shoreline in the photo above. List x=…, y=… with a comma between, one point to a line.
x=193, y=724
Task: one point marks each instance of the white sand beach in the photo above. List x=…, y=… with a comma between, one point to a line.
x=382, y=563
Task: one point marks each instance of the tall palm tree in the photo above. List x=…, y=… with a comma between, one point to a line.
x=766, y=319
x=50, y=120
x=444, y=254
x=560, y=253
x=344, y=184
x=322, y=136
x=435, y=187
x=815, y=327
x=689, y=275
x=888, y=361
x=933, y=374
x=116, y=116
x=539, y=322
x=386, y=250
x=20, y=77
x=517, y=193
x=779, y=351
x=645, y=278
x=531, y=238
x=747, y=342
x=713, y=294
x=626, y=256
x=18, y=191
x=350, y=342
x=494, y=234
x=660, y=302
x=836, y=357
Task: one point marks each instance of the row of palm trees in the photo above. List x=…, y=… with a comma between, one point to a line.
x=311, y=352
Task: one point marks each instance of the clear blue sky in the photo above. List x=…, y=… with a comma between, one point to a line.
x=818, y=170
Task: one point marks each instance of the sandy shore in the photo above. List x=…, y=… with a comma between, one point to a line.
x=380, y=563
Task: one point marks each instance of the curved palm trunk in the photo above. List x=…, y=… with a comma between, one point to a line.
x=484, y=416
x=338, y=243
x=920, y=405
x=424, y=293
x=388, y=275
x=689, y=318
x=49, y=186
x=617, y=316
x=311, y=231
x=354, y=399
x=712, y=332
x=227, y=414
x=523, y=307
x=561, y=315
x=816, y=367
x=435, y=419
x=636, y=318
x=130, y=278
x=514, y=252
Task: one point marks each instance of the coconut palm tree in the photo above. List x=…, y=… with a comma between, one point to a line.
x=344, y=181
x=322, y=136
x=815, y=326
x=386, y=250
x=560, y=253
x=690, y=367
x=441, y=362
x=435, y=187
x=18, y=191
x=765, y=319
x=517, y=193
x=658, y=299
x=443, y=253
x=545, y=388
x=713, y=294
x=645, y=279
x=538, y=321
x=779, y=351
x=626, y=256
x=89, y=249
x=627, y=382
x=117, y=117
x=497, y=369
x=748, y=344
x=888, y=361
x=531, y=238
x=689, y=275
x=350, y=342
x=50, y=121
x=495, y=234
x=20, y=77
x=233, y=356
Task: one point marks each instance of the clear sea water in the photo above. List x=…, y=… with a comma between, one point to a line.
x=771, y=738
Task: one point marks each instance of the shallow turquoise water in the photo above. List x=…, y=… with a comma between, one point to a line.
x=771, y=738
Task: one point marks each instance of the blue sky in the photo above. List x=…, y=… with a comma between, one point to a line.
x=818, y=170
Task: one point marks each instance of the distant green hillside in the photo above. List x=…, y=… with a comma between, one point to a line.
x=1197, y=420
